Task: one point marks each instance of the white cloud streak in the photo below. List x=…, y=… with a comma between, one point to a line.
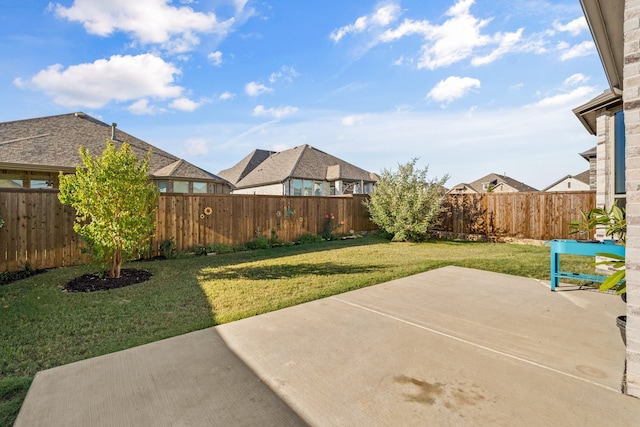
x=256, y=89
x=276, y=113
x=574, y=27
x=453, y=88
x=585, y=48
x=381, y=17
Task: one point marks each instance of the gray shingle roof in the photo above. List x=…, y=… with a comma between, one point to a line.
x=493, y=177
x=52, y=143
x=244, y=166
x=303, y=162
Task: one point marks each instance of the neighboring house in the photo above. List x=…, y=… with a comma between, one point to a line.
x=578, y=182
x=614, y=118
x=603, y=117
x=299, y=171
x=492, y=183
x=34, y=151
x=590, y=156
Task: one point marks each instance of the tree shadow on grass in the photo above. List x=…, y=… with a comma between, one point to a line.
x=285, y=271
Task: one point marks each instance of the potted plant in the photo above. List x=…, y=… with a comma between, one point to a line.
x=615, y=224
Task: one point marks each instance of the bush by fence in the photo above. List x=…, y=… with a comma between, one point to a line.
x=39, y=229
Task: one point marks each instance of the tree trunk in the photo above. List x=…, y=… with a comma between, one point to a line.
x=117, y=264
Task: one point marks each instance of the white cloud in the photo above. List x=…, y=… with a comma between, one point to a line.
x=276, y=113
x=142, y=107
x=256, y=89
x=226, y=95
x=450, y=42
x=285, y=73
x=569, y=99
x=216, y=58
x=147, y=21
x=185, y=104
x=352, y=120
x=381, y=17
x=117, y=79
x=576, y=79
x=581, y=49
x=507, y=43
x=574, y=27
x=196, y=147
x=452, y=88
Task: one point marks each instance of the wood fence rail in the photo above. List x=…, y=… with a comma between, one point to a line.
x=39, y=229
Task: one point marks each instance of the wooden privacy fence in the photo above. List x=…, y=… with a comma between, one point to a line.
x=538, y=215
x=39, y=231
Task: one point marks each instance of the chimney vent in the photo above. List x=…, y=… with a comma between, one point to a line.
x=113, y=131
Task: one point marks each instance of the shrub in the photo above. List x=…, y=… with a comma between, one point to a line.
x=404, y=204
x=329, y=227
x=220, y=248
x=309, y=238
x=168, y=248
x=199, y=250
x=114, y=203
x=260, y=242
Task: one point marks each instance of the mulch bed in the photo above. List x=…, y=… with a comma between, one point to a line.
x=96, y=282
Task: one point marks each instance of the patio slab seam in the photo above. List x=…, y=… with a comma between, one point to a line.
x=476, y=345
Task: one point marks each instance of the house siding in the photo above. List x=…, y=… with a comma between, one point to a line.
x=271, y=190
x=631, y=102
x=570, y=184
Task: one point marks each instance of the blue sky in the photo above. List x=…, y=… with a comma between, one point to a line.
x=468, y=87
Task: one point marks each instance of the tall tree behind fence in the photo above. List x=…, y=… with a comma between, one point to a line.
x=39, y=229
x=539, y=215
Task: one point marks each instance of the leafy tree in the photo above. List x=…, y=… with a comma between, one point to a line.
x=114, y=203
x=406, y=205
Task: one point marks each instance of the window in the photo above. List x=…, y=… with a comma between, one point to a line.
x=11, y=181
x=297, y=187
x=332, y=188
x=619, y=164
x=199, y=187
x=317, y=188
x=162, y=186
x=41, y=181
x=180, y=186
x=308, y=188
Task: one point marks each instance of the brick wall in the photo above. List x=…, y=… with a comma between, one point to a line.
x=631, y=102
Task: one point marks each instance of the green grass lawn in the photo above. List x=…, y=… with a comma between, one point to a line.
x=43, y=327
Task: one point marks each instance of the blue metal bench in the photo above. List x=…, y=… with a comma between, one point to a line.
x=576, y=247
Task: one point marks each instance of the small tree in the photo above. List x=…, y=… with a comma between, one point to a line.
x=405, y=204
x=114, y=203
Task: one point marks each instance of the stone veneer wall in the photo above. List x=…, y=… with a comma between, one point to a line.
x=603, y=164
x=631, y=102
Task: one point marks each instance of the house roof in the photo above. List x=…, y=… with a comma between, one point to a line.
x=52, y=144
x=497, y=179
x=606, y=22
x=591, y=153
x=582, y=177
x=303, y=162
x=243, y=167
x=588, y=112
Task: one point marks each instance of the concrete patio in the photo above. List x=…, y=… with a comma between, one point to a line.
x=451, y=346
